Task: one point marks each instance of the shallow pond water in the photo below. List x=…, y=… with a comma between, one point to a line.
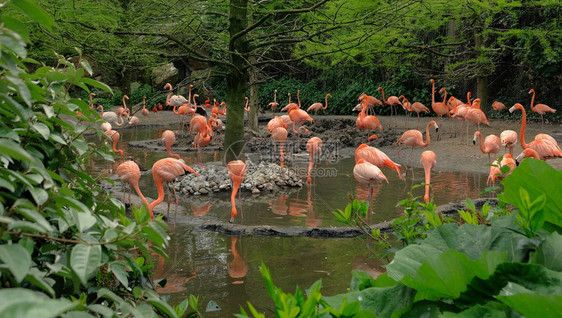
x=223, y=270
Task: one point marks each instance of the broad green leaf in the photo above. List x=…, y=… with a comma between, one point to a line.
x=13, y=43
x=86, y=65
x=537, y=178
x=384, y=302
x=549, y=253
x=531, y=304
x=39, y=195
x=34, y=216
x=36, y=277
x=77, y=314
x=26, y=226
x=16, y=26
x=42, y=129
x=84, y=260
x=106, y=293
x=94, y=83
x=162, y=306
x=120, y=273
x=19, y=302
x=448, y=274
x=22, y=89
x=12, y=149
x=490, y=310
x=17, y=259
x=35, y=12
x=102, y=310
x=84, y=220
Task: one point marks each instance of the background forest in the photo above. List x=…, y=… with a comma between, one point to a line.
x=496, y=49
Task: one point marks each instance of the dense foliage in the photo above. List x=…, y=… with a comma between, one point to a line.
x=506, y=265
x=66, y=247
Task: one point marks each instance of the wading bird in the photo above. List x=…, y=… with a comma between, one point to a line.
x=497, y=106
x=166, y=170
x=318, y=106
x=314, y=147
x=169, y=138
x=367, y=173
x=544, y=144
x=391, y=101
x=236, y=172
x=428, y=159
x=274, y=103
x=414, y=138
x=508, y=139
x=491, y=144
x=376, y=157
x=279, y=135
x=129, y=172
x=540, y=108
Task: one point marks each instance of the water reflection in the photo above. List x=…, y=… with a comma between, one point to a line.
x=237, y=267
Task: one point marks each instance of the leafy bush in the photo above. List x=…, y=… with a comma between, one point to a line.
x=66, y=248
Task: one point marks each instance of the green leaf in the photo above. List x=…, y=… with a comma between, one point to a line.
x=86, y=65
x=36, y=277
x=384, y=302
x=120, y=273
x=84, y=260
x=35, y=13
x=530, y=303
x=39, y=195
x=17, y=259
x=19, y=302
x=77, y=314
x=537, y=178
x=84, y=220
x=12, y=149
x=34, y=216
x=20, y=85
x=549, y=253
x=97, y=84
x=162, y=306
x=42, y=129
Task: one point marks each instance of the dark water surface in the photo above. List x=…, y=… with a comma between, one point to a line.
x=223, y=271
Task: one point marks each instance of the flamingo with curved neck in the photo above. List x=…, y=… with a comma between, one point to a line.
x=318, y=106
x=236, y=172
x=491, y=144
x=274, y=104
x=544, y=144
x=129, y=172
x=114, y=135
x=428, y=160
x=414, y=138
x=540, y=108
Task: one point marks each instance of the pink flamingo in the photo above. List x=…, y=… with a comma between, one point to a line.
x=279, y=134
x=376, y=157
x=129, y=172
x=318, y=106
x=166, y=170
x=364, y=122
x=236, y=172
x=428, y=160
x=276, y=122
x=540, y=108
x=169, y=138
x=144, y=111
x=112, y=117
x=491, y=144
x=495, y=169
x=370, y=102
x=314, y=147
x=274, y=103
x=367, y=173
x=527, y=153
x=497, y=106
x=392, y=101
x=544, y=144
x=508, y=139
x=115, y=139
x=414, y=138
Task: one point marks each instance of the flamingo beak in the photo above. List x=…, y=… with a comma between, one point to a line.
x=512, y=109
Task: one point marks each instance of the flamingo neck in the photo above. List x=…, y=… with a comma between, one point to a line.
x=189, y=95
x=169, y=151
x=235, y=186
x=427, y=171
x=383, y=98
x=325, y=102
x=299, y=98
x=480, y=144
x=124, y=103
x=533, y=101
x=115, y=141
x=275, y=97
x=433, y=92
x=427, y=136
x=143, y=198
x=445, y=98
x=101, y=113
x=310, y=165
x=168, y=97
x=522, y=132
x=468, y=99
x=120, y=121
x=160, y=189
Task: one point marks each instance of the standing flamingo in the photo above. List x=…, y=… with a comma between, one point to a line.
x=115, y=139
x=476, y=115
x=440, y=108
x=544, y=144
x=318, y=106
x=121, y=110
x=367, y=173
x=298, y=115
x=497, y=106
x=169, y=138
x=364, y=122
x=279, y=134
x=112, y=117
x=418, y=108
x=246, y=107
x=144, y=111
x=166, y=170
x=314, y=147
x=508, y=139
x=414, y=138
x=237, y=268
x=392, y=101
x=129, y=172
x=428, y=160
x=236, y=172
x=376, y=157
x=275, y=122
x=540, y=108
x=274, y=103
x=491, y=144
x=370, y=101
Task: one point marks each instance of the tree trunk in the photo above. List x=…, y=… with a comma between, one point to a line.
x=254, y=100
x=481, y=80
x=236, y=82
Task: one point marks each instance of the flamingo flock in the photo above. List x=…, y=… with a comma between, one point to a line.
x=370, y=161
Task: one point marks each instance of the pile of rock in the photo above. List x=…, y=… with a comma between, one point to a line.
x=259, y=177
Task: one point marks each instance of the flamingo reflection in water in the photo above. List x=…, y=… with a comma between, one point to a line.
x=201, y=210
x=175, y=282
x=237, y=267
x=279, y=205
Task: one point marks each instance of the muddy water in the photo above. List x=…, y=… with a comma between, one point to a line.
x=223, y=271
